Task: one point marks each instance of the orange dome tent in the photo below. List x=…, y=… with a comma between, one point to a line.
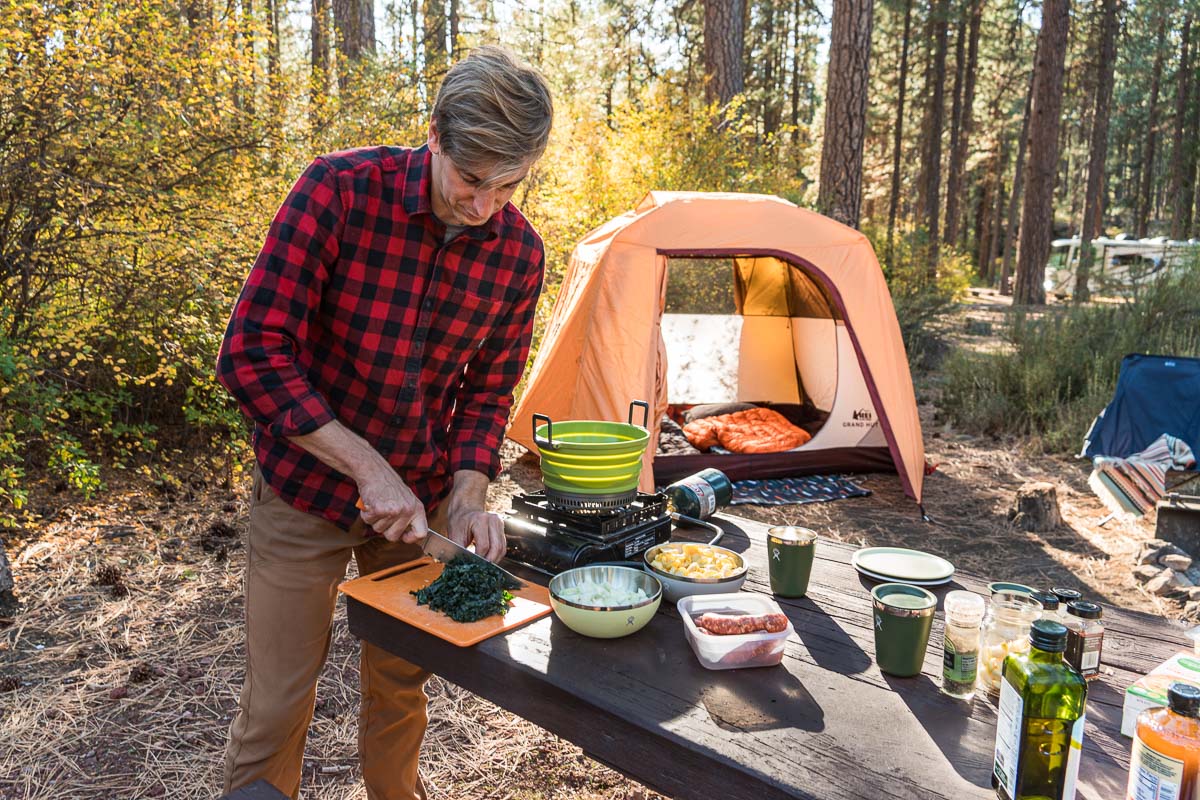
x=803, y=319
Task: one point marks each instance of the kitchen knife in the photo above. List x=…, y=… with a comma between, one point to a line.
x=446, y=550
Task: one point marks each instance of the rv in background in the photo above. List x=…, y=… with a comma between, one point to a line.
x=1120, y=265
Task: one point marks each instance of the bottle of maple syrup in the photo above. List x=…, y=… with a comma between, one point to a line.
x=1166, y=748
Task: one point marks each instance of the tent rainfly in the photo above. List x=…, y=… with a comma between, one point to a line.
x=810, y=323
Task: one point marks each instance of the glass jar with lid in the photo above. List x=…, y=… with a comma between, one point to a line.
x=1049, y=601
x=1065, y=598
x=1085, y=637
x=1005, y=630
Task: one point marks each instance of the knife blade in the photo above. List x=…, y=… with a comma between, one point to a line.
x=446, y=550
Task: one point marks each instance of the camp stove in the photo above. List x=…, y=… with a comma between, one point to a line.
x=553, y=532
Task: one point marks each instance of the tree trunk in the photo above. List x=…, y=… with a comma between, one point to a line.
x=987, y=244
x=274, y=83
x=454, y=21
x=248, y=27
x=724, y=33
x=956, y=100
x=1181, y=191
x=354, y=21
x=1037, y=218
x=795, y=117
x=930, y=181
x=963, y=118
x=898, y=134
x=433, y=12
x=320, y=49
x=768, y=116
x=840, y=192
x=1014, y=199
x=1191, y=166
x=1093, y=200
x=1144, y=195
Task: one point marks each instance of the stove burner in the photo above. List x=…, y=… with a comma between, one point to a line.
x=589, y=503
x=553, y=539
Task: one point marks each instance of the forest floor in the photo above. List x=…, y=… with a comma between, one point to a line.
x=119, y=671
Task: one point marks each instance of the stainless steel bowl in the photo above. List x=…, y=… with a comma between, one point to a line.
x=677, y=586
x=622, y=578
x=606, y=622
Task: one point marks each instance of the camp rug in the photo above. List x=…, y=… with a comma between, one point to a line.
x=785, y=491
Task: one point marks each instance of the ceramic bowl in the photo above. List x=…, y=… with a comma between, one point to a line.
x=606, y=622
x=678, y=586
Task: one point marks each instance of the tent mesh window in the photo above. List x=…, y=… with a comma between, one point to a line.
x=745, y=329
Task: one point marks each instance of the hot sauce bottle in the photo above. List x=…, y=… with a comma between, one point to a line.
x=1166, y=749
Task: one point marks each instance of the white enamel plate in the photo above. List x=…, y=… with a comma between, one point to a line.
x=902, y=565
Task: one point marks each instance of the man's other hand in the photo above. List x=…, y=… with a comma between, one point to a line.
x=483, y=528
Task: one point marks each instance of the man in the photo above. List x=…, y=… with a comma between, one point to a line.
x=376, y=344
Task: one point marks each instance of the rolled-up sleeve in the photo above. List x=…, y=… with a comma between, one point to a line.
x=486, y=393
x=260, y=362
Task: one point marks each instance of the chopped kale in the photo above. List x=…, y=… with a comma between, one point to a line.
x=466, y=592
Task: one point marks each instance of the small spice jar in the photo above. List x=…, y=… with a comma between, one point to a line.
x=1006, y=626
x=1085, y=637
x=964, y=613
x=1049, y=601
x=1065, y=597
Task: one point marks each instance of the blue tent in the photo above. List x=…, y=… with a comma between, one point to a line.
x=1155, y=395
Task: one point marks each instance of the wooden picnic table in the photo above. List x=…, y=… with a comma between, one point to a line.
x=824, y=724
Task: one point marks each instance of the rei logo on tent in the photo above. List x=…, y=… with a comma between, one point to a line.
x=862, y=415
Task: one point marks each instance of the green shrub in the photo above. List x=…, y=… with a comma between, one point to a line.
x=920, y=303
x=1059, y=365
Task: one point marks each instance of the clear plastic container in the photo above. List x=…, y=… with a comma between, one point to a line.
x=735, y=651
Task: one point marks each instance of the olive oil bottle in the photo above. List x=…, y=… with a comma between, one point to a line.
x=1039, y=731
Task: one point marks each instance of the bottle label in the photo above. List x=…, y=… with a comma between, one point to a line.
x=1153, y=776
x=1083, y=652
x=1071, y=774
x=1089, y=661
x=705, y=494
x=958, y=667
x=1008, y=738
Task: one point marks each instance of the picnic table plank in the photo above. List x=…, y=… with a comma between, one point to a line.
x=826, y=724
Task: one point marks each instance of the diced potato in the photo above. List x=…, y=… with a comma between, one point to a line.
x=695, y=561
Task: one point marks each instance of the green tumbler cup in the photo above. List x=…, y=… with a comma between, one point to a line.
x=790, y=553
x=903, y=618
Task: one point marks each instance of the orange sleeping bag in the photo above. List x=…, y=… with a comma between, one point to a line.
x=755, y=430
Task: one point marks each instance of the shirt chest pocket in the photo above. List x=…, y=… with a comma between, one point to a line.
x=461, y=327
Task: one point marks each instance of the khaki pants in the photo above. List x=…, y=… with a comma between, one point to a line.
x=294, y=562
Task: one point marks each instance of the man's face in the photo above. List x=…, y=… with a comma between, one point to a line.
x=463, y=196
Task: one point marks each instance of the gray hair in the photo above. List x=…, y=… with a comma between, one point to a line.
x=492, y=110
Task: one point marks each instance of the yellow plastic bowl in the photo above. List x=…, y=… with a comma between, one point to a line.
x=606, y=622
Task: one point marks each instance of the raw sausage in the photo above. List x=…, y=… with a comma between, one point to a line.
x=725, y=625
x=753, y=651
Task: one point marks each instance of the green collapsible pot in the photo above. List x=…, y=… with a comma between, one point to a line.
x=588, y=457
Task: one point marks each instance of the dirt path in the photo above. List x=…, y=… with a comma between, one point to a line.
x=122, y=683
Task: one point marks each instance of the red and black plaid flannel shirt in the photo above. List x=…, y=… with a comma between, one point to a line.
x=356, y=310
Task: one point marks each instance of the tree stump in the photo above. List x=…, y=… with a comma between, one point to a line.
x=1036, y=507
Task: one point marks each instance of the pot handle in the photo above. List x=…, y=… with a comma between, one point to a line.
x=645, y=412
x=548, y=442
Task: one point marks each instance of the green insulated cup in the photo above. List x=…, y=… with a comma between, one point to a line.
x=790, y=554
x=903, y=617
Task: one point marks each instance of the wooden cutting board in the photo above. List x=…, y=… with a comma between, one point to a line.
x=390, y=591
